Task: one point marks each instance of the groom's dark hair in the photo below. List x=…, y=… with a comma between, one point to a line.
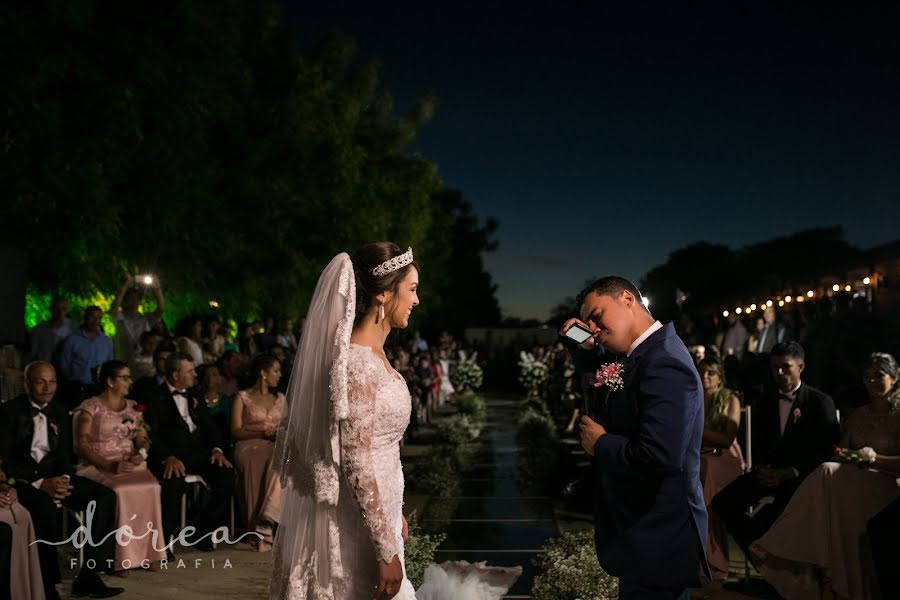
x=609, y=286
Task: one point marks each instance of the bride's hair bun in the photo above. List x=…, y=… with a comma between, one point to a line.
x=368, y=285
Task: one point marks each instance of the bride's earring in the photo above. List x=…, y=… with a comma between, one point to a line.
x=381, y=312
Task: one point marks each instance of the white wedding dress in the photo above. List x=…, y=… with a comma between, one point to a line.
x=338, y=454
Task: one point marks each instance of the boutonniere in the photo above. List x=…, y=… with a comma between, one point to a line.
x=195, y=403
x=610, y=376
x=797, y=414
x=54, y=428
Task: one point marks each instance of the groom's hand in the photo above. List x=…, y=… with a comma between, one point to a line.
x=591, y=431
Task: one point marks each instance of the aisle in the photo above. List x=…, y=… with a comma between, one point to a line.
x=494, y=521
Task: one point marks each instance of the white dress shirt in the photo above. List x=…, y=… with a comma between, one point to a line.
x=784, y=408
x=40, y=441
x=643, y=337
x=181, y=402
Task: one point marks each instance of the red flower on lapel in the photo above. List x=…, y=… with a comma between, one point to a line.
x=140, y=407
x=797, y=414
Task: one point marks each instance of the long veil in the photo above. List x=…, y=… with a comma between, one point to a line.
x=306, y=554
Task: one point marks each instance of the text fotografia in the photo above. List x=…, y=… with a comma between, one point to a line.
x=81, y=537
x=164, y=564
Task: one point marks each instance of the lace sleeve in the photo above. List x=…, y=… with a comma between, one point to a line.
x=357, y=431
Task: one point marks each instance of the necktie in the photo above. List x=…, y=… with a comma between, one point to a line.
x=35, y=411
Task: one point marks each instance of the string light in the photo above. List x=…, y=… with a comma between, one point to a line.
x=810, y=294
x=788, y=299
x=781, y=303
x=725, y=313
x=848, y=289
x=836, y=288
x=738, y=310
x=769, y=303
x=867, y=280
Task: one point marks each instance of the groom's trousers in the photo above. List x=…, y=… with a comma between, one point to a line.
x=633, y=591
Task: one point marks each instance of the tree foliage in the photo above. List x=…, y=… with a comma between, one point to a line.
x=192, y=141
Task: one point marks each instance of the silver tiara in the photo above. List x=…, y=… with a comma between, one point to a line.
x=389, y=266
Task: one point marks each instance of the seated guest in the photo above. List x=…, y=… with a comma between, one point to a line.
x=219, y=405
x=818, y=547
x=255, y=414
x=36, y=446
x=18, y=551
x=794, y=430
x=81, y=354
x=147, y=388
x=185, y=441
x=231, y=367
x=141, y=364
x=721, y=460
x=112, y=442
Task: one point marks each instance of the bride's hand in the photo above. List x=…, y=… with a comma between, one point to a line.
x=390, y=576
x=405, y=532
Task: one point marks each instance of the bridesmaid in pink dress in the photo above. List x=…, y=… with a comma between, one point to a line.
x=721, y=460
x=255, y=415
x=111, y=442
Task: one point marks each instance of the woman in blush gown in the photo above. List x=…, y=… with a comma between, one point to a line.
x=255, y=414
x=112, y=443
x=24, y=570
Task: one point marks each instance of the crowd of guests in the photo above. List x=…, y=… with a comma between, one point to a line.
x=123, y=422
x=814, y=523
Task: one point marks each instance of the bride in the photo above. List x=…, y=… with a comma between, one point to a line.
x=338, y=454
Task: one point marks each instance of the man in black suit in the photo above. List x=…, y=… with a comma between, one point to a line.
x=146, y=389
x=184, y=440
x=795, y=428
x=36, y=448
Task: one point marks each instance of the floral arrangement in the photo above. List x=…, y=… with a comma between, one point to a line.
x=472, y=405
x=466, y=375
x=419, y=549
x=570, y=571
x=532, y=373
x=863, y=456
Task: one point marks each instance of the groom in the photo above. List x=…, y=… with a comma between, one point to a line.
x=650, y=519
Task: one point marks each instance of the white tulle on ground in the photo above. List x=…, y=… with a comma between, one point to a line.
x=461, y=580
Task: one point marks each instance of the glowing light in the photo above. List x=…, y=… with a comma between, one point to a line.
x=147, y=279
x=214, y=303
x=781, y=303
x=738, y=310
x=646, y=301
x=867, y=280
x=725, y=313
x=787, y=298
x=800, y=298
x=848, y=288
x=836, y=288
x=769, y=303
x=752, y=307
x=810, y=294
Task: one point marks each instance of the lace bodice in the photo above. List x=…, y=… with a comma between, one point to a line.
x=257, y=418
x=877, y=430
x=112, y=432
x=379, y=411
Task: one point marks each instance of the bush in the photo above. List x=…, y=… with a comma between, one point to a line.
x=539, y=453
x=570, y=571
x=469, y=404
x=419, y=550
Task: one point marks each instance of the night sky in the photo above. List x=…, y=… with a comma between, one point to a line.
x=603, y=139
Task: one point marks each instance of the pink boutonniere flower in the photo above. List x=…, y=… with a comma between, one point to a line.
x=610, y=376
x=797, y=414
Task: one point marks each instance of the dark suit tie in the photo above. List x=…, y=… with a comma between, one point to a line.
x=35, y=411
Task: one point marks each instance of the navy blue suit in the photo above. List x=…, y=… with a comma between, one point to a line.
x=650, y=518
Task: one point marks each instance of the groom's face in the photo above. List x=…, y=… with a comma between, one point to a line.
x=611, y=317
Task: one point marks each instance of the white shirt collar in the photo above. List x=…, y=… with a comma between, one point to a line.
x=792, y=393
x=174, y=390
x=643, y=337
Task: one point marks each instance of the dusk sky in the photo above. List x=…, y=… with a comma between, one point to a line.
x=602, y=140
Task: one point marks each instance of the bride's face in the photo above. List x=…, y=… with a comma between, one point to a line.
x=405, y=299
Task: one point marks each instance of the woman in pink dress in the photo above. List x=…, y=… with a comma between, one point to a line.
x=818, y=547
x=721, y=460
x=112, y=443
x=25, y=581
x=255, y=414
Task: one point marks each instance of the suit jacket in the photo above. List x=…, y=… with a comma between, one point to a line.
x=16, y=433
x=808, y=439
x=650, y=518
x=169, y=433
